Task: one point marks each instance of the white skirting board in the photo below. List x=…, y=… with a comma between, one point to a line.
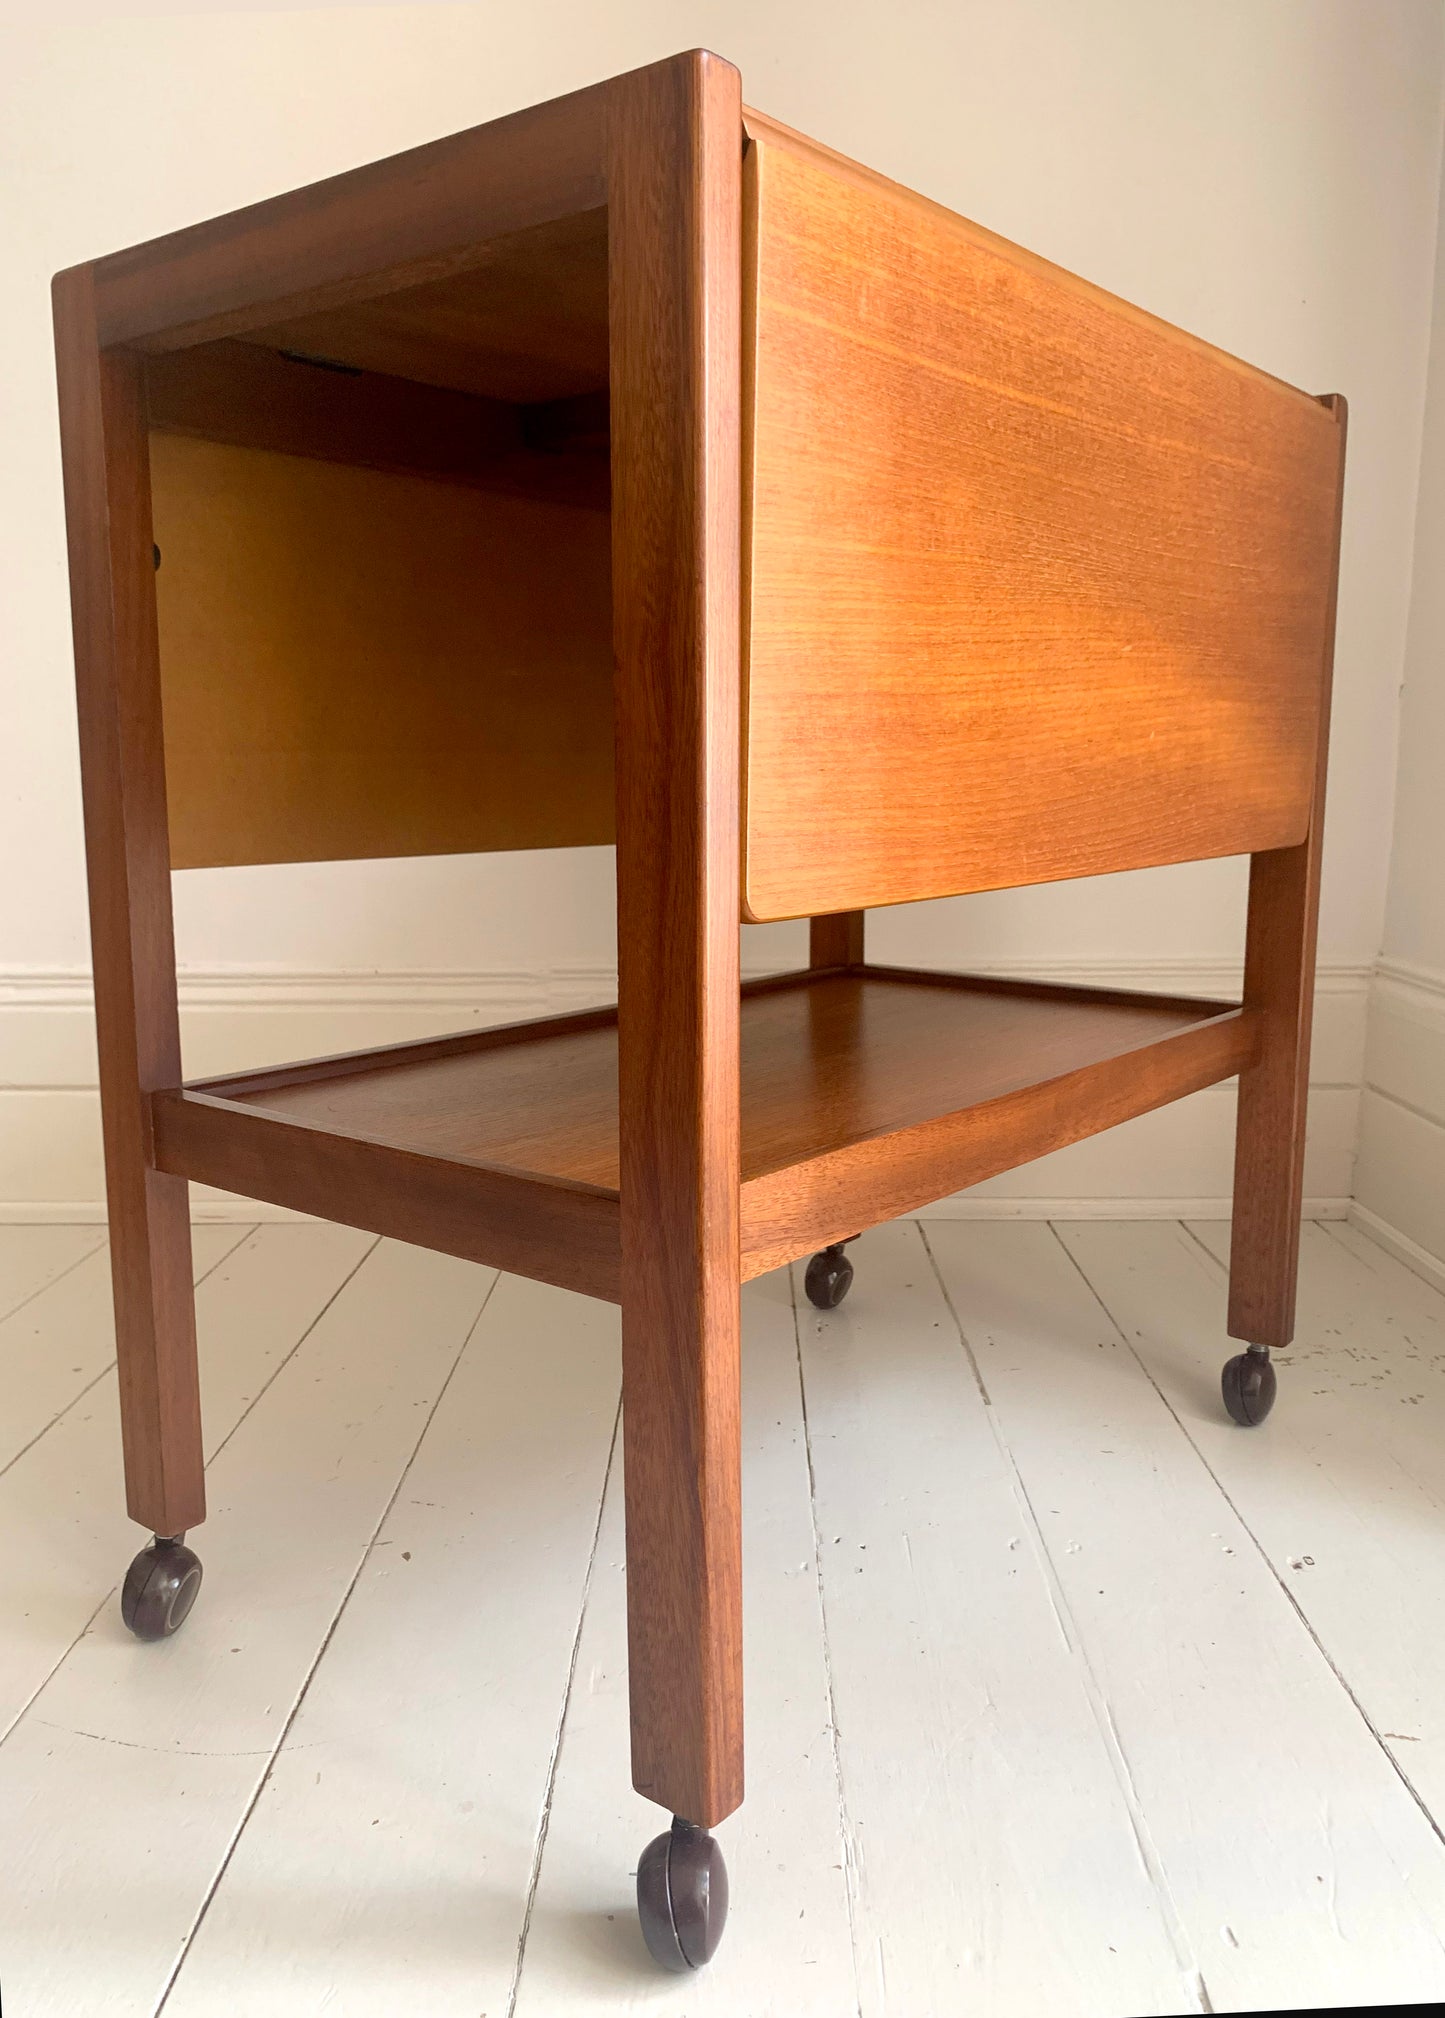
x=1176, y=1162
x=1400, y=1184
x=1428, y=1266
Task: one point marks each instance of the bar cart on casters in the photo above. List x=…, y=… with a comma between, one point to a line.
x=634, y=468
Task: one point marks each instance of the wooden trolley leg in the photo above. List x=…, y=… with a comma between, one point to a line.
x=128, y=859
x=836, y=941
x=1279, y=982
x=674, y=217
x=1269, y=1142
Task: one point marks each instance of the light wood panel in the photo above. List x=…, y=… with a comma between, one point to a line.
x=1038, y=586
x=360, y=663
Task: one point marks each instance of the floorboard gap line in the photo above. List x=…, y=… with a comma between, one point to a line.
x=1093, y=1688
x=243, y=1234
x=58, y=1417
x=30, y=1701
x=109, y=1366
x=545, y=1820
x=70, y=1269
x=25, y=1708
x=1188, y=1231
x=327, y=1637
x=1437, y=1827
x=974, y=1368
x=845, y=1827
x=288, y=1357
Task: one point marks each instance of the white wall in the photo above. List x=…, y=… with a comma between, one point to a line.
x=1401, y=1174
x=1267, y=175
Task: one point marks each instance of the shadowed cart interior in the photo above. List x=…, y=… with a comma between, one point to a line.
x=633, y=469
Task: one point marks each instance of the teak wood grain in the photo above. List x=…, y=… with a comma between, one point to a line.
x=108, y=524
x=863, y=1094
x=1279, y=986
x=359, y=662
x=674, y=143
x=1037, y=586
x=254, y=398
x=826, y=1060
x=526, y=320
x=836, y=941
x=550, y=1229
x=802, y=1205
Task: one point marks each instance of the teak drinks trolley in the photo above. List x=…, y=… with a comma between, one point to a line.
x=633, y=468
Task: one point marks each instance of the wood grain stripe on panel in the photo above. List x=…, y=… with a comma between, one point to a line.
x=1037, y=587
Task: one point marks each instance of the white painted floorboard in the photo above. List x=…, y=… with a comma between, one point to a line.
x=57, y=1344
x=1347, y=1496
x=65, y=1539
x=1301, y=1871
x=32, y=1256
x=126, y=1779
x=991, y=1851
x=401, y=1817
x=1064, y=1695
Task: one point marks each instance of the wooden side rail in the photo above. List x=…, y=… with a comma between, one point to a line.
x=792, y=1211
x=550, y=1228
x=865, y=1093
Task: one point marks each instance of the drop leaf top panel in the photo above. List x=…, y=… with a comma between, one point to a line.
x=1039, y=586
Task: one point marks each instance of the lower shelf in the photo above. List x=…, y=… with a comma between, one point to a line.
x=865, y=1093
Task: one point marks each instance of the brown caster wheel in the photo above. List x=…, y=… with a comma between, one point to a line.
x=160, y=1588
x=682, y=1897
x=1248, y=1383
x=829, y=1277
